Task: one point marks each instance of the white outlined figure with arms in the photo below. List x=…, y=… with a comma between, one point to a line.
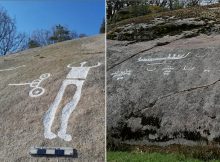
x=76, y=76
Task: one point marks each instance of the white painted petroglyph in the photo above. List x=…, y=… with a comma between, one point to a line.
x=155, y=64
x=169, y=57
x=153, y=69
x=203, y=55
x=13, y=68
x=188, y=68
x=76, y=76
x=206, y=70
x=121, y=74
x=36, y=90
x=167, y=70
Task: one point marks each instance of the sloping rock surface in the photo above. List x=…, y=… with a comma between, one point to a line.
x=165, y=94
x=191, y=21
x=21, y=116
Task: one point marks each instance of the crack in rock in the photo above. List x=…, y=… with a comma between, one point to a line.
x=152, y=104
x=157, y=44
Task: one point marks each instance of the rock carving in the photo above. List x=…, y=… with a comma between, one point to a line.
x=204, y=55
x=13, y=68
x=121, y=74
x=35, y=84
x=167, y=70
x=206, y=70
x=169, y=57
x=76, y=76
x=188, y=68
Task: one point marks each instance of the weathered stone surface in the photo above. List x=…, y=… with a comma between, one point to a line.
x=21, y=116
x=172, y=98
x=160, y=27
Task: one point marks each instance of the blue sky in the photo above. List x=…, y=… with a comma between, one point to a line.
x=82, y=16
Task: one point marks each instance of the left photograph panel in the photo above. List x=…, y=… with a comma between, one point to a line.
x=52, y=80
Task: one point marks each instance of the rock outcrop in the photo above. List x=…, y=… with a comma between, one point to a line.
x=190, y=22
x=23, y=107
x=164, y=91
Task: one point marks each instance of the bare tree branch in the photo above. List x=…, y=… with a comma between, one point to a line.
x=10, y=40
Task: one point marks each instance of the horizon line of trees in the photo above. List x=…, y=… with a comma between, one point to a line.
x=58, y=33
x=12, y=41
x=113, y=6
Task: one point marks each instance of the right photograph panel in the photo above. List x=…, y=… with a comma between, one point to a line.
x=162, y=80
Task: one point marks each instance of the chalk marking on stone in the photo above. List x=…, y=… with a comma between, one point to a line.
x=19, y=84
x=155, y=64
x=188, y=69
x=206, y=70
x=169, y=57
x=121, y=74
x=36, y=90
x=148, y=69
x=13, y=68
x=201, y=55
x=76, y=76
x=167, y=70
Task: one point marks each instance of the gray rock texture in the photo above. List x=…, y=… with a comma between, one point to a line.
x=158, y=28
x=191, y=21
x=164, y=91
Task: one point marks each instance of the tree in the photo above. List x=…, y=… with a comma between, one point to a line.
x=115, y=5
x=60, y=33
x=41, y=37
x=33, y=44
x=102, y=28
x=193, y=2
x=82, y=35
x=10, y=40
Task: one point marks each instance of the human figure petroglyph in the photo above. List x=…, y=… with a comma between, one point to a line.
x=169, y=57
x=76, y=76
x=36, y=90
x=121, y=74
x=12, y=68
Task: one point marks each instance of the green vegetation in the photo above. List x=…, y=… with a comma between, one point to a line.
x=135, y=11
x=33, y=44
x=150, y=157
x=147, y=157
x=60, y=34
x=202, y=12
x=201, y=153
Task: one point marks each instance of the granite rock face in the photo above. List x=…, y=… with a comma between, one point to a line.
x=157, y=28
x=164, y=94
x=22, y=116
x=192, y=21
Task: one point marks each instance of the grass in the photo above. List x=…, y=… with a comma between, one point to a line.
x=149, y=157
x=208, y=153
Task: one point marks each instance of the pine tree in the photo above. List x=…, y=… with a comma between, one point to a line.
x=102, y=28
x=60, y=33
x=33, y=44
